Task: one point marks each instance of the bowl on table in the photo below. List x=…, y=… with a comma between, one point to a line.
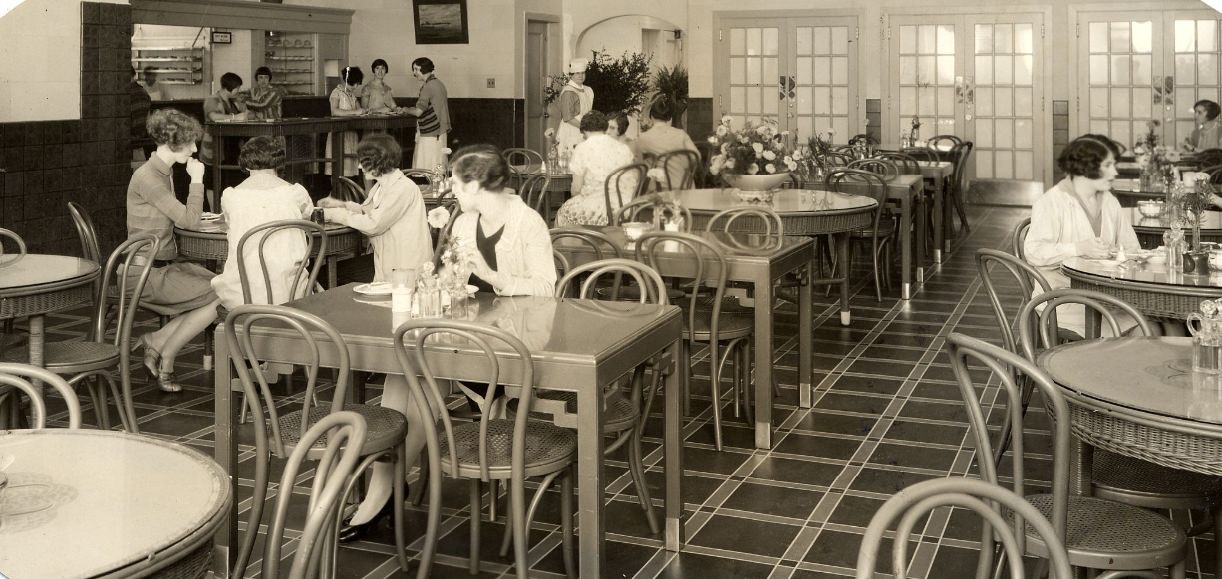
x=1150, y=208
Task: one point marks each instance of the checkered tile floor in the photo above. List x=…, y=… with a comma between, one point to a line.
x=886, y=414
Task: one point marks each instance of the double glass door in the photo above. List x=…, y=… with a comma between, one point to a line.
x=1134, y=67
x=975, y=76
x=799, y=72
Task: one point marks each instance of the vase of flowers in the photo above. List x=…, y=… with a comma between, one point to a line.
x=1156, y=161
x=752, y=159
x=1193, y=200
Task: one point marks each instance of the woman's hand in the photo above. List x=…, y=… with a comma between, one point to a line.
x=1093, y=248
x=478, y=266
x=195, y=169
x=330, y=202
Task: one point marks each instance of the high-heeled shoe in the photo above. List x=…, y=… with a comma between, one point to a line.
x=152, y=358
x=349, y=532
x=165, y=381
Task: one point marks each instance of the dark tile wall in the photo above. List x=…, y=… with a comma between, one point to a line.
x=874, y=118
x=49, y=163
x=1060, y=133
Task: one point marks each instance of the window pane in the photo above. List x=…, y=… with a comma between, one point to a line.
x=1098, y=70
x=738, y=71
x=1141, y=103
x=840, y=100
x=805, y=103
x=927, y=101
x=804, y=72
x=984, y=70
x=840, y=70
x=1004, y=102
x=908, y=70
x=1022, y=133
x=840, y=40
x=753, y=101
x=984, y=164
x=1121, y=131
x=1022, y=69
x=1003, y=69
x=771, y=41
x=1003, y=39
x=1143, y=37
x=738, y=41
x=770, y=72
x=926, y=39
x=1207, y=68
x=771, y=100
x=1097, y=34
x=925, y=69
x=984, y=102
x=823, y=40
x=946, y=99
x=946, y=70
x=754, y=41
x=1024, y=39
x=1120, y=102
x=908, y=100
x=1004, y=164
x=804, y=41
x=946, y=39
x=984, y=38
x=1207, y=35
x=738, y=99
x=984, y=134
x=823, y=100
x=1120, y=69
x=1185, y=69
x=1098, y=103
x=1185, y=36
x=1022, y=102
x=823, y=70
x=908, y=40
x=1142, y=75
x=805, y=127
x=753, y=71
x=1022, y=165
x=1119, y=32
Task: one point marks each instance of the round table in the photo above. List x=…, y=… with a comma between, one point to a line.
x=1150, y=230
x=90, y=503
x=209, y=242
x=33, y=285
x=1152, y=289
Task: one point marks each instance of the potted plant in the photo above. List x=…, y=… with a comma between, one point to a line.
x=620, y=84
x=671, y=83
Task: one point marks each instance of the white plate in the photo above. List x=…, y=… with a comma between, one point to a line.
x=381, y=288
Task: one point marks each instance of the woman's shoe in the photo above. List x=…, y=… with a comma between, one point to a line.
x=349, y=532
x=152, y=358
x=165, y=381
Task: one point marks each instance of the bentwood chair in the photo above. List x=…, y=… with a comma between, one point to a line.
x=86, y=231
x=623, y=413
x=522, y=163
x=681, y=167
x=279, y=433
x=535, y=191
x=624, y=185
x=1098, y=533
x=335, y=442
x=880, y=231
x=1117, y=477
x=704, y=321
x=16, y=239
x=921, y=154
x=19, y=243
x=863, y=138
x=913, y=504
x=490, y=449
x=957, y=192
x=431, y=179
x=350, y=190
x=905, y=164
x=652, y=209
x=127, y=269
x=882, y=167
x=937, y=142
x=1020, y=238
x=1207, y=158
x=837, y=158
x=15, y=378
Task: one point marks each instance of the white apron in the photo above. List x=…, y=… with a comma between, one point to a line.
x=568, y=136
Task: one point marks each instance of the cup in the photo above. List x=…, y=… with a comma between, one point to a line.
x=1207, y=354
x=402, y=282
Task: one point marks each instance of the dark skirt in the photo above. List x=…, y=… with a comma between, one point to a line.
x=180, y=287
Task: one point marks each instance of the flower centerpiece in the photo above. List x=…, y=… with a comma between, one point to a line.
x=752, y=159
x=1192, y=202
x=812, y=164
x=553, y=155
x=1156, y=160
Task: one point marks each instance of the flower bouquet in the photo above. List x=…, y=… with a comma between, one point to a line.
x=752, y=159
x=553, y=154
x=812, y=165
x=551, y=91
x=1156, y=160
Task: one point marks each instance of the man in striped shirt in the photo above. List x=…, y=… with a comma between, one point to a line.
x=433, y=112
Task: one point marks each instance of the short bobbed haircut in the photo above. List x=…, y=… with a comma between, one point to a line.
x=1211, y=108
x=379, y=154
x=174, y=128
x=231, y=81
x=379, y=62
x=1084, y=156
x=662, y=109
x=424, y=63
x=353, y=75
x=594, y=122
x=621, y=123
x=482, y=164
x=262, y=153
x=263, y=71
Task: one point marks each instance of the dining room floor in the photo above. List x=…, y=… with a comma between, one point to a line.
x=886, y=414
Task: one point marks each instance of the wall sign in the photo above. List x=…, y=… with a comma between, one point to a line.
x=222, y=37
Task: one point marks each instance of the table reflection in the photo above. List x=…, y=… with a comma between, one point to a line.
x=1141, y=270
x=783, y=201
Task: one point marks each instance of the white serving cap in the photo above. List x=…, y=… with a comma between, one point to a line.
x=578, y=65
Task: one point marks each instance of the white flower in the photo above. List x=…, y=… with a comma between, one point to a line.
x=725, y=148
x=753, y=169
x=770, y=168
x=762, y=130
x=729, y=164
x=549, y=133
x=797, y=155
x=657, y=174
x=719, y=163
x=722, y=130
x=438, y=217
x=784, y=133
x=446, y=151
x=727, y=120
x=758, y=148
x=744, y=139
x=789, y=164
x=830, y=132
x=712, y=140
x=769, y=155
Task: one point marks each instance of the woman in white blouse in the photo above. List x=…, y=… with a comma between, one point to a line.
x=1079, y=217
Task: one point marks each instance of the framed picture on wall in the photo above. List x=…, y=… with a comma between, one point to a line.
x=441, y=21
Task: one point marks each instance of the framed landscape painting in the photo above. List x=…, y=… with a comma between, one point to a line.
x=441, y=21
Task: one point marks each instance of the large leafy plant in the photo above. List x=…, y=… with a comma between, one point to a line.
x=620, y=84
x=671, y=83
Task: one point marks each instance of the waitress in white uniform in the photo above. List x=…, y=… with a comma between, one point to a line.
x=576, y=99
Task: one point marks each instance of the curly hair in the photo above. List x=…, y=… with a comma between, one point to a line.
x=482, y=164
x=621, y=123
x=1084, y=156
x=174, y=128
x=1211, y=108
x=262, y=153
x=594, y=122
x=379, y=154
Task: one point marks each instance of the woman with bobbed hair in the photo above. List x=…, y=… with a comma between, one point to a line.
x=1079, y=217
x=176, y=286
x=376, y=95
x=262, y=198
x=594, y=159
x=509, y=248
x=346, y=102
x=392, y=215
x=1207, y=134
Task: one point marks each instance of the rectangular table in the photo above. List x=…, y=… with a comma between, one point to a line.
x=937, y=173
x=567, y=356
x=762, y=269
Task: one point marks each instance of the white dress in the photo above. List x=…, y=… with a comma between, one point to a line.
x=345, y=100
x=247, y=208
x=1058, y=222
x=393, y=217
x=597, y=157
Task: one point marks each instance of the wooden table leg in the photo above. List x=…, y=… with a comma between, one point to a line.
x=672, y=448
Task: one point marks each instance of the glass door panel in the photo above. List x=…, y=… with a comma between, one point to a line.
x=924, y=53
x=1123, y=73
x=1194, y=60
x=824, y=94
x=752, y=55
x=1002, y=96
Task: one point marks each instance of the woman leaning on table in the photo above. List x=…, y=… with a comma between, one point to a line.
x=1079, y=217
x=1208, y=133
x=179, y=286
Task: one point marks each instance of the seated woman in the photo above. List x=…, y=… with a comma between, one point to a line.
x=593, y=160
x=509, y=251
x=1079, y=217
x=1207, y=134
x=175, y=287
x=617, y=127
x=392, y=215
x=262, y=198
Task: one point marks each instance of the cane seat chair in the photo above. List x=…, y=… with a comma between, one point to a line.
x=681, y=167
x=957, y=192
x=127, y=269
x=623, y=186
x=350, y=190
x=339, y=437
x=490, y=449
x=912, y=504
x=522, y=164
x=535, y=190
x=279, y=433
x=652, y=209
x=16, y=378
x=1097, y=533
x=881, y=230
x=433, y=180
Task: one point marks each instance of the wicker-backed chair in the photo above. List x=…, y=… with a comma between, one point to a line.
x=914, y=503
x=1098, y=533
x=16, y=378
x=335, y=442
x=704, y=322
x=883, y=228
x=279, y=433
x=350, y=190
x=128, y=269
x=490, y=449
x=620, y=189
x=681, y=168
